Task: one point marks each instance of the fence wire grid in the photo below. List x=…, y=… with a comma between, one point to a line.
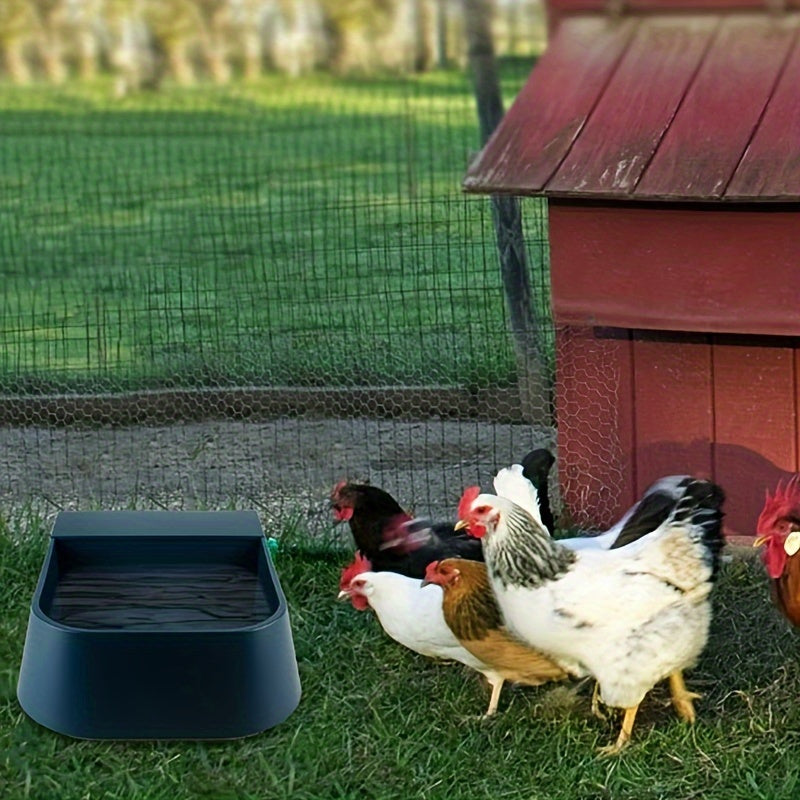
x=237, y=296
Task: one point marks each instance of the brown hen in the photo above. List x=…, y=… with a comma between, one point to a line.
x=474, y=617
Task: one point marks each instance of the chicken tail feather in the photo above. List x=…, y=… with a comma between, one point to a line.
x=701, y=508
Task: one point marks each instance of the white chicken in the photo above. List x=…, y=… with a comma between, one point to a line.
x=630, y=617
x=411, y=614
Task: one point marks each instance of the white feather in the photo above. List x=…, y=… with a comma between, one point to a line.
x=412, y=615
x=514, y=486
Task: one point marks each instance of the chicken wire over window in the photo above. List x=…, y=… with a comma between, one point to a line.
x=240, y=297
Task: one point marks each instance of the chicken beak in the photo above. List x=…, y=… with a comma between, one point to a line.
x=425, y=582
x=343, y=595
x=461, y=524
x=759, y=540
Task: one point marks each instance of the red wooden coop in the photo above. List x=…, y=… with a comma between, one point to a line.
x=666, y=139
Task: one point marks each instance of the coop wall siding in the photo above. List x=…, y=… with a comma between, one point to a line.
x=684, y=268
x=558, y=8
x=717, y=406
x=673, y=406
x=700, y=293
x=755, y=410
x=594, y=410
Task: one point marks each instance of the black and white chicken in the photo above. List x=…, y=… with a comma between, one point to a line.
x=630, y=616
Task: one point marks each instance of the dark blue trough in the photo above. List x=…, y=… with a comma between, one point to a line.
x=158, y=625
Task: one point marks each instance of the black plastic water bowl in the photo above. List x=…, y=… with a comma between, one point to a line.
x=158, y=625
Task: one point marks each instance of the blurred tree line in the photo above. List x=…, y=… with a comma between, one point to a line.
x=142, y=42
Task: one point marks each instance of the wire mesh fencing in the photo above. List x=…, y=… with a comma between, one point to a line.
x=238, y=296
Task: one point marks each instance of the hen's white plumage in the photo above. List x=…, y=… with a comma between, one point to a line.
x=513, y=485
x=631, y=616
x=411, y=614
x=628, y=619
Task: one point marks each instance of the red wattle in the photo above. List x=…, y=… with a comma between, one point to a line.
x=775, y=557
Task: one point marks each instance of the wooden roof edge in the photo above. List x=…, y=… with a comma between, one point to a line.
x=557, y=10
x=471, y=185
x=564, y=7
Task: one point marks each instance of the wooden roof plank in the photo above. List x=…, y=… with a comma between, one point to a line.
x=551, y=109
x=624, y=130
x=771, y=164
x=702, y=148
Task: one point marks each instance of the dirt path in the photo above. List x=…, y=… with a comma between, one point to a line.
x=282, y=468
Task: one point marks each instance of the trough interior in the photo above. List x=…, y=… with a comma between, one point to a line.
x=149, y=583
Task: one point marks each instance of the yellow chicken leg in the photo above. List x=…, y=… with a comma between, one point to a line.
x=624, y=734
x=596, y=711
x=682, y=697
x=497, y=684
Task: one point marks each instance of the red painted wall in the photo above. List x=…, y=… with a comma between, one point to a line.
x=661, y=404
x=664, y=387
x=681, y=267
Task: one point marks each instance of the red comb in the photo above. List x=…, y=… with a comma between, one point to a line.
x=791, y=494
x=784, y=502
x=470, y=493
x=338, y=488
x=359, y=565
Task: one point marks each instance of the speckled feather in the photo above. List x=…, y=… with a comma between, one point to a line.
x=525, y=561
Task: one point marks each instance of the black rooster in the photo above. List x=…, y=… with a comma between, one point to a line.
x=394, y=541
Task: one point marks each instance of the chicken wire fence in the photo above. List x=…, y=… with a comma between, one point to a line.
x=237, y=297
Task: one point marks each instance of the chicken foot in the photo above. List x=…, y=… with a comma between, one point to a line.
x=624, y=734
x=682, y=697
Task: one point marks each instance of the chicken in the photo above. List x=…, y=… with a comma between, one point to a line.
x=392, y=540
x=629, y=616
x=472, y=614
x=375, y=516
x=778, y=530
x=411, y=614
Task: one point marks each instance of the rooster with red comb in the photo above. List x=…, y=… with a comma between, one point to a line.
x=778, y=531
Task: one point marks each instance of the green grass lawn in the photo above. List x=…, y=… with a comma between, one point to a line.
x=377, y=721
x=306, y=232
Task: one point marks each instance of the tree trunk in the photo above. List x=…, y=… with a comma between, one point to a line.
x=441, y=34
x=506, y=213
